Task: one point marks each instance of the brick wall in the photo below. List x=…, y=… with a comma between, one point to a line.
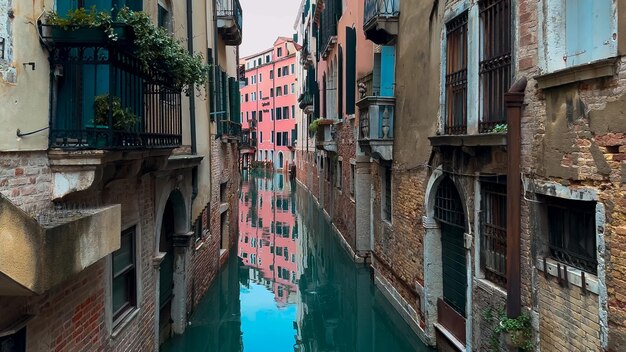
x=344, y=212
x=573, y=135
x=26, y=179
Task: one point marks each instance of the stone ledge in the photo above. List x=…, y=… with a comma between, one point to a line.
x=574, y=276
x=597, y=69
x=469, y=140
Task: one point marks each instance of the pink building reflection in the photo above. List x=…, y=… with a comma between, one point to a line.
x=268, y=234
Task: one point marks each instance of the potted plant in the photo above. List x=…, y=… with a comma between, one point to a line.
x=85, y=27
x=313, y=127
x=517, y=332
x=122, y=119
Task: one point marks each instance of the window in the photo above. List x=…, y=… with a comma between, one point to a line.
x=386, y=196
x=267, y=58
x=493, y=232
x=246, y=99
x=571, y=229
x=279, y=139
x=254, y=115
x=293, y=88
x=495, y=64
x=280, y=72
x=15, y=342
x=253, y=96
x=279, y=114
x=223, y=192
x=272, y=141
x=271, y=92
x=352, y=174
x=164, y=19
x=253, y=79
x=293, y=69
x=260, y=116
x=339, y=175
x=260, y=94
x=285, y=112
x=279, y=53
x=260, y=61
x=285, y=71
x=260, y=77
x=271, y=74
x=285, y=140
x=587, y=32
x=272, y=113
x=456, y=76
x=261, y=136
x=124, y=290
x=279, y=91
x=293, y=111
x=285, y=89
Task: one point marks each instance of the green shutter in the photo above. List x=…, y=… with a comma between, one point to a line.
x=350, y=70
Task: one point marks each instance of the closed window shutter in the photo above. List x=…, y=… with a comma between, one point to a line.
x=350, y=70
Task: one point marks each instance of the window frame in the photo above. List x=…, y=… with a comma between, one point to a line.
x=456, y=74
x=131, y=271
x=493, y=234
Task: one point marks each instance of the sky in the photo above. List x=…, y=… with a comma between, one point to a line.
x=264, y=21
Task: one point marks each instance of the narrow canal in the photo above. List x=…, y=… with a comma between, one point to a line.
x=291, y=286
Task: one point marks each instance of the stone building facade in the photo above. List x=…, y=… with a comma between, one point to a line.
x=475, y=215
x=110, y=239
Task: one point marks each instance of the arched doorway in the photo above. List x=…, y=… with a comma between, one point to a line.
x=280, y=160
x=450, y=215
x=172, y=223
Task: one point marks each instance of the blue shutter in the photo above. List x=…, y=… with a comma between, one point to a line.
x=387, y=70
x=588, y=31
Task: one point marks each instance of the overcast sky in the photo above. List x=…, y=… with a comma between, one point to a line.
x=264, y=21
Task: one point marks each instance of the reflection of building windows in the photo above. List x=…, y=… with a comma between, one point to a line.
x=280, y=272
x=280, y=291
x=286, y=253
x=124, y=290
x=279, y=251
x=493, y=232
x=571, y=229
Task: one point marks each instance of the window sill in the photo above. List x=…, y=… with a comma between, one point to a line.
x=124, y=322
x=574, y=276
x=469, y=140
x=490, y=287
x=593, y=70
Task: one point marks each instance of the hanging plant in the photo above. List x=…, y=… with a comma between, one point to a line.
x=159, y=52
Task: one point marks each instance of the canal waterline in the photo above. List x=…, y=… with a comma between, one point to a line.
x=290, y=286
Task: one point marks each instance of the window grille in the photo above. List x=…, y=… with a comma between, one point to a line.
x=493, y=239
x=456, y=76
x=448, y=206
x=572, y=235
x=1, y=48
x=495, y=66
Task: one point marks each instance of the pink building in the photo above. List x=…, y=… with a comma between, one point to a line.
x=268, y=100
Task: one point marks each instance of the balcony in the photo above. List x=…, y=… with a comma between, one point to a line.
x=230, y=131
x=230, y=21
x=328, y=14
x=380, y=21
x=42, y=250
x=375, y=121
x=103, y=98
x=305, y=102
x=325, y=135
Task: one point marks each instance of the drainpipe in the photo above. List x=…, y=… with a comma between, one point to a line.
x=513, y=101
x=192, y=100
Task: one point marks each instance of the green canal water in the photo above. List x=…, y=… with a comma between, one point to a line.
x=290, y=286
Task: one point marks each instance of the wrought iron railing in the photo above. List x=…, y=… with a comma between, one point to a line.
x=231, y=8
x=380, y=8
x=104, y=98
x=230, y=129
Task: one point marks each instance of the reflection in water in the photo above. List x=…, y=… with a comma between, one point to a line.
x=291, y=287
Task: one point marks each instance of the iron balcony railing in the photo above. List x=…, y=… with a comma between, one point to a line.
x=247, y=142
x=102, y=97
x=380, y=8
x=231, y=9
x=230, y=129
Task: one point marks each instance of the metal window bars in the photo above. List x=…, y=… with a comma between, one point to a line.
x=495, y=64
x=493, y=234
x=456, y=76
